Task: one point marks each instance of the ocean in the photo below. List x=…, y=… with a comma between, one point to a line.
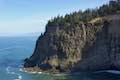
x=13, y=51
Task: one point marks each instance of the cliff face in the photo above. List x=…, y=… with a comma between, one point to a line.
x=81, y=47
x=104, y=54
x=81, y=41
x=62, y=47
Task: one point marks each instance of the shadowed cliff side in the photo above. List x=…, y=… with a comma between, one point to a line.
x=104, y=54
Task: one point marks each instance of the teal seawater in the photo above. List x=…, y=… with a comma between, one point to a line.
x=13, y=50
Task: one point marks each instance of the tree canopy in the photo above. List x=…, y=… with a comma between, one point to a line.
x=113, y=7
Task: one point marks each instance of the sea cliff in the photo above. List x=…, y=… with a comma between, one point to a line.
x=81, y=41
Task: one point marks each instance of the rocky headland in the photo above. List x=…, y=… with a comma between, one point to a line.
x=80, y=41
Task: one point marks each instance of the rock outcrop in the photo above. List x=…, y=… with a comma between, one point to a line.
x=62, y=47
x=81, y=41
x=84, y=47
x=104, y=54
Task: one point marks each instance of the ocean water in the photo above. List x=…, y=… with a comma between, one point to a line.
x=13, y=50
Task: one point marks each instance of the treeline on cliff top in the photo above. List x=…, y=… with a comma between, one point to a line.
x=113, y=7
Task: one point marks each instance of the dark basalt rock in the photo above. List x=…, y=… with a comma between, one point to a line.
x=29, y=63
x=45, y=66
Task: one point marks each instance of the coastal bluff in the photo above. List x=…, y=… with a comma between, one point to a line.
x=81, y=41
x=87, y=47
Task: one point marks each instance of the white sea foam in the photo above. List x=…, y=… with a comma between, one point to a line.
x=7, y=70
x=13, y=73
x=21, y=70
x=109, y=71
x=39, y=72
x=34, y=72
x=113, y=71
x=19, y=77
x=31, y=72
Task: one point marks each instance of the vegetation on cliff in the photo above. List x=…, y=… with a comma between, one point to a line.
x=67, y=38
x=84, y=16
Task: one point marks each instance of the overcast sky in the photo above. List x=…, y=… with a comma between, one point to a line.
x=31, y=16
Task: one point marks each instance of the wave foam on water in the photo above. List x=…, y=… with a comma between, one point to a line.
x=33, y=72
x=8, y=70
x=109, y=71
x=113, y=71
x=19, y=77
x=13, y=73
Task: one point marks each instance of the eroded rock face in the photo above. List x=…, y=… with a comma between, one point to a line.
x=80, y=47
x=105, y=53
x=63, y=47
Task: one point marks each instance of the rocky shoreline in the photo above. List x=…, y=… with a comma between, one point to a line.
x=31, y=70
x=37, y=70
